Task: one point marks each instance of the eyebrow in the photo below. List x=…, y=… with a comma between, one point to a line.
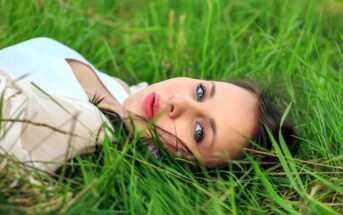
x=212, y=122
x=213, y=89
x=214, y=131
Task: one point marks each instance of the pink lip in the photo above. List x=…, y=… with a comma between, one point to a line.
x=151, y=105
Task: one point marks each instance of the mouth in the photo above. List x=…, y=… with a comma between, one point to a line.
x=151, y=105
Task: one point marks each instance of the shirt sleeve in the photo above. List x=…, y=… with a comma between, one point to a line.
x=44, y=129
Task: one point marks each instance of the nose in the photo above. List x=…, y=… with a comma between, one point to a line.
x=180, y=104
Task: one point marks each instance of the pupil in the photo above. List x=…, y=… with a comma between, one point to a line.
x=198, y=134
x=200, y=93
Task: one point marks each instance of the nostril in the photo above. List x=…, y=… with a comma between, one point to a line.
x=171, y=108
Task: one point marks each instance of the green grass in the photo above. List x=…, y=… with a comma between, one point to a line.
x=293, y=49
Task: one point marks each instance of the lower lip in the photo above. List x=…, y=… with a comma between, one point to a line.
x=151, y=105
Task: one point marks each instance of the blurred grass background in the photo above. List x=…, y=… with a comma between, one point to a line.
x=292, y=49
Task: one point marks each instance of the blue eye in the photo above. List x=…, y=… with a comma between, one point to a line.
x=200, y=92
x=199, y=133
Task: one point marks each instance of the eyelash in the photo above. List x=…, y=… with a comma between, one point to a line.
x=199, y=98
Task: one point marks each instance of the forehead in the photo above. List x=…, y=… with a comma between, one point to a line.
x=235, y=112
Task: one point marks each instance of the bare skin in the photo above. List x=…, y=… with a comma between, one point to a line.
x=93, y=86
x=222, y=117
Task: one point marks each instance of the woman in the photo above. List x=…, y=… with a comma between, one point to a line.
x=55, y=105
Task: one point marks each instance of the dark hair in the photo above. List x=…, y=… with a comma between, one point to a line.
x=269, y=118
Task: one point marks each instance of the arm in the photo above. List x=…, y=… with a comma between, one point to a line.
x=45, y=127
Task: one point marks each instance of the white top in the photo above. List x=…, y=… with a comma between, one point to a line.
x=36, y=129
x=43, y=61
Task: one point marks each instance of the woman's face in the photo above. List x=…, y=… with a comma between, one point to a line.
x=211, y=118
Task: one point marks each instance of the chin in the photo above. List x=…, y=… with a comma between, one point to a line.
x=130, y=104
x=131, y=109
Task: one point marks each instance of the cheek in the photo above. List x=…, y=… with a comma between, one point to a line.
x=171, y=86
x=171, y=131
